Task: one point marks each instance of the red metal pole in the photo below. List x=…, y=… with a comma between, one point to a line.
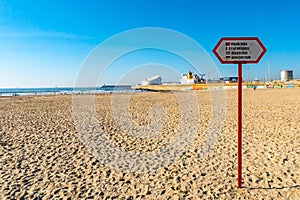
x=240, y=124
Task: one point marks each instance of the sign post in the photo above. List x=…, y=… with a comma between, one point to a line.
x=239, y=51
x=240, y=116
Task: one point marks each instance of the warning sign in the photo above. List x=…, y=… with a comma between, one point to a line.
x=234, y=50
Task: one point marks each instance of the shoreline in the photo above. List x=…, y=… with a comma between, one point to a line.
x=151, y=88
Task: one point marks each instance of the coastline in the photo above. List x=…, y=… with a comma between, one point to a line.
x=107, y=89
x=63, y=90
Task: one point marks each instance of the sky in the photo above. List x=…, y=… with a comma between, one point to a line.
x=45, y=43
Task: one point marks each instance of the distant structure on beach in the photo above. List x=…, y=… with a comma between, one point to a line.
x=286, y=75
x=154, y=80
x=191, y=78
x=232, y=79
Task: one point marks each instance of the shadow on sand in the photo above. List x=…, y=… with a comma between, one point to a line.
x=272, y=188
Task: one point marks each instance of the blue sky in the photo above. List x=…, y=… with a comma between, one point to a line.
x=44, y=43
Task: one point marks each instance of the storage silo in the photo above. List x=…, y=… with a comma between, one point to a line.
x=286, y=75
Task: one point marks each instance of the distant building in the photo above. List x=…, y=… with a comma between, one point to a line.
x=155, y=80
x=286, y=75
x=232, y=79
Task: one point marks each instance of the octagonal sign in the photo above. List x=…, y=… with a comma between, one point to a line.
x=242, y=49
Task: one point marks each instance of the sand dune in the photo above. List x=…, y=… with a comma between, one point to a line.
x=42, y=154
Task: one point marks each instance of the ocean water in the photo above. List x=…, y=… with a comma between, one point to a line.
x=65, y=90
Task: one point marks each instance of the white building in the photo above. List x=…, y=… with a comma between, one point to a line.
x=286, y=75
x=154, y=80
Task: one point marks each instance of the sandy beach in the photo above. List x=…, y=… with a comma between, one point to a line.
x=42, y=155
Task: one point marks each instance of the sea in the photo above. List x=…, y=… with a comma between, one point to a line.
x=66, y=90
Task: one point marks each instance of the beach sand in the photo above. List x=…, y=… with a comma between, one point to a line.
x=42, y=155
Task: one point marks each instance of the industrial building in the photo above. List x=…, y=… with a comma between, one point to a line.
x=155, y=80
x=286, y=75
x=232, y=79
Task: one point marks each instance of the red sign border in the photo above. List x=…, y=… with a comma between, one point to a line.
x=239, y=38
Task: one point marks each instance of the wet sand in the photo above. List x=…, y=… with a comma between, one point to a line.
x=42, y=154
